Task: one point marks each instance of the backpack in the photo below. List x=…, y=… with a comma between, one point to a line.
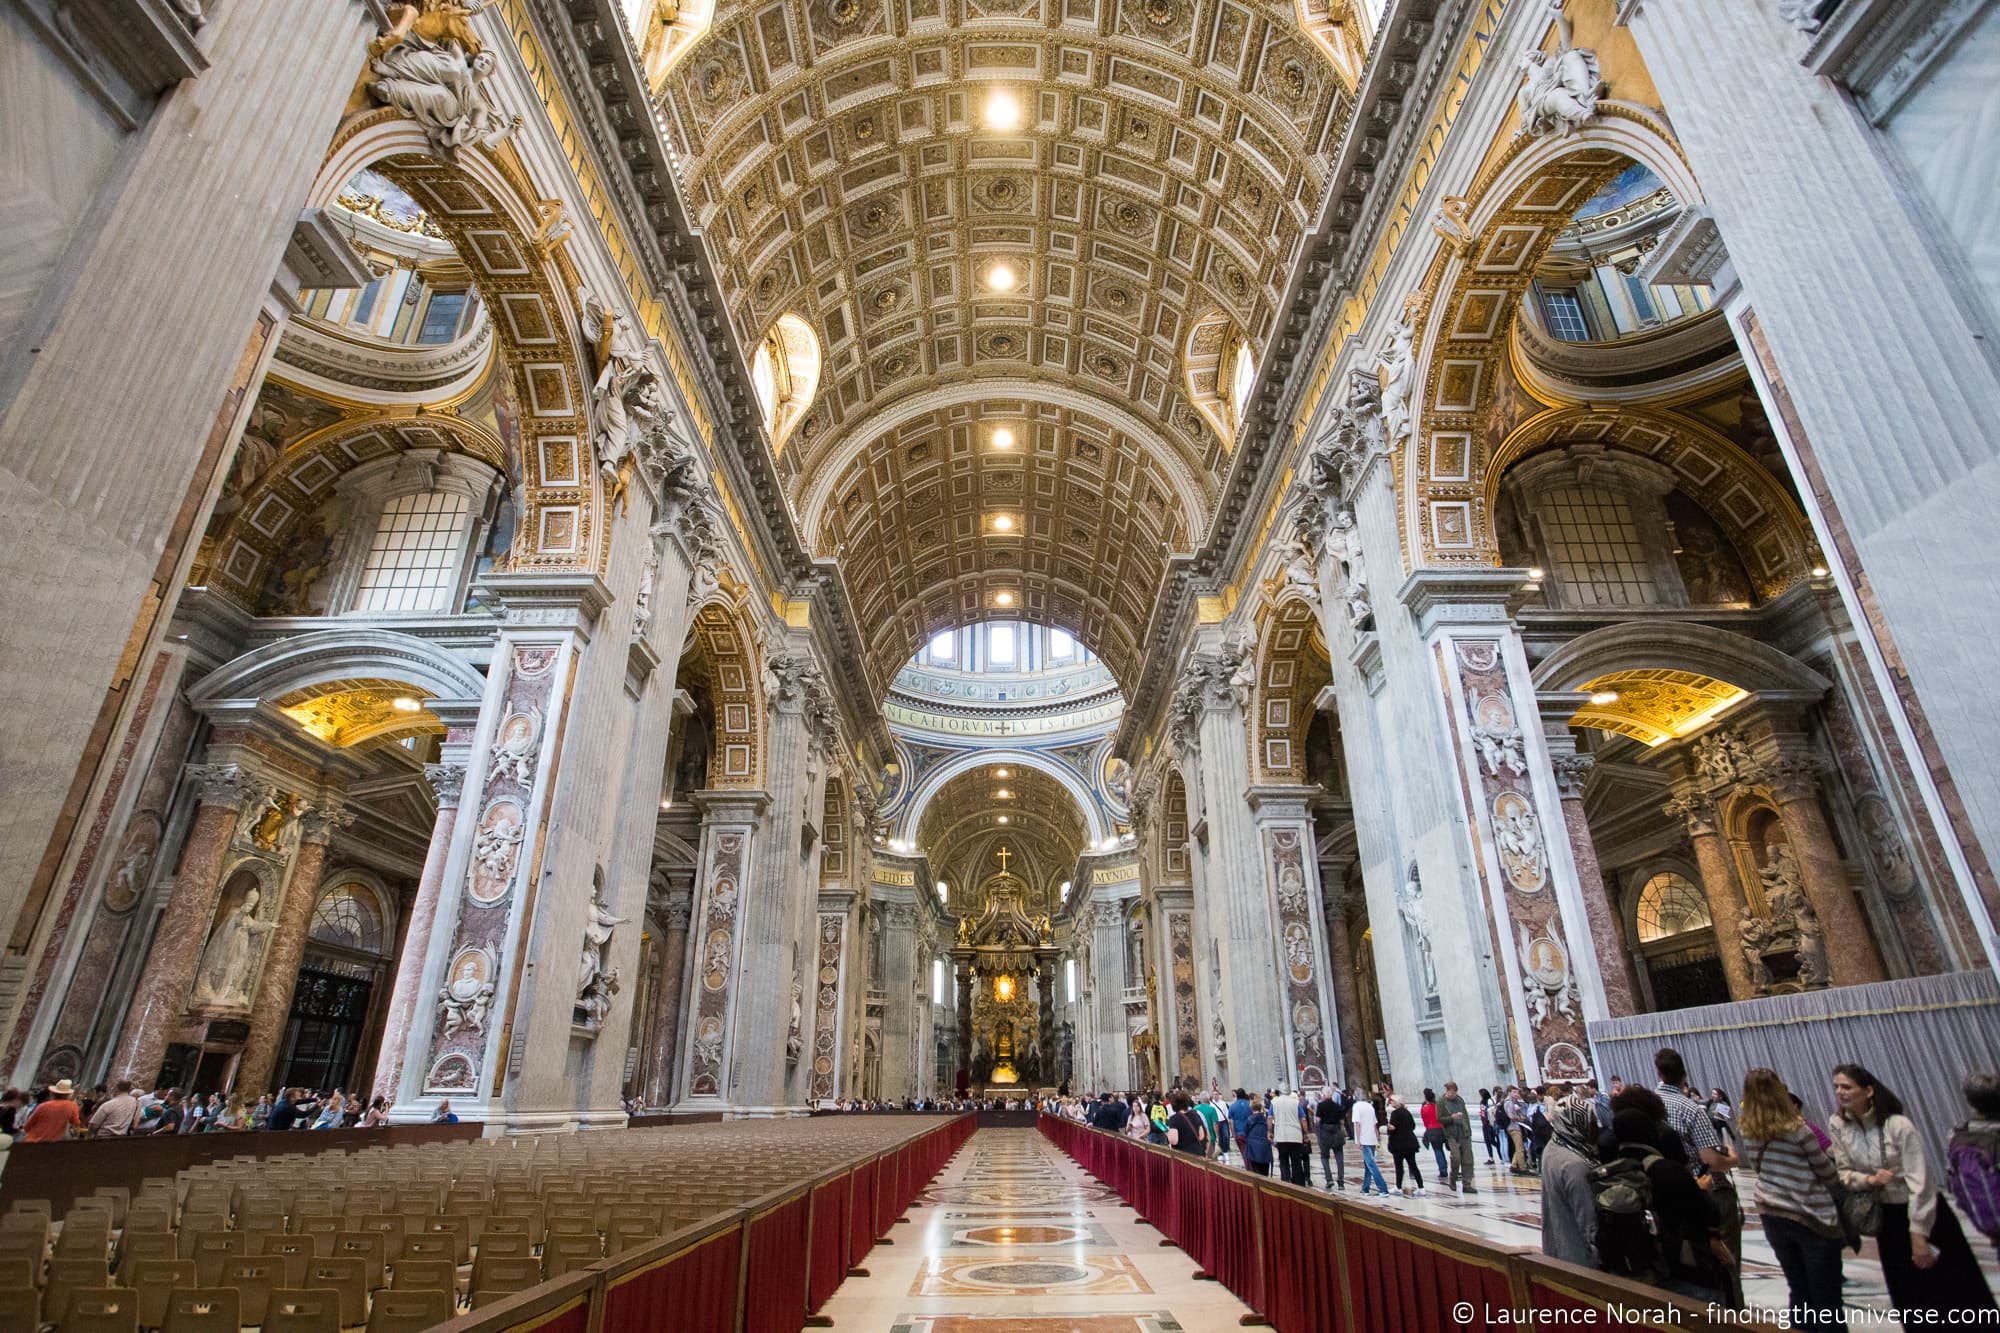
x=1623, y=1192
x=1974, y=1171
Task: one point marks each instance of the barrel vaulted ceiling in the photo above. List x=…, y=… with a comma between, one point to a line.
x=841, y=159
x=961, y=834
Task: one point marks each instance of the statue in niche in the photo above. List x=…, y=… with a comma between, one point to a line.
x=430, y=66
x=597, y=980
x=1755, y=938
x=231, y=955
x=1784, y=886
x=1343, y=543
x=1410, y=905
x=1558, y=88
x=795, y=1042
x=625, y=396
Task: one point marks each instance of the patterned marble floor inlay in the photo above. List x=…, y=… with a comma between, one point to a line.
x=1093, y=1275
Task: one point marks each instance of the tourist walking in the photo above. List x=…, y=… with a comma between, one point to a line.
x=116, y=1115
x=1211, y=1122
x=1796, y=1180
x=1457, y=1120
x=1433, y=1132
x=1514, y=1122
x=1489, y=1126
x=55, y=1117
x=1330, y=1128
x=1288, y=1135
x=1569, y=1204
x=1403, y=1146
x=1256, y=1137
x=1185, y=1132
x=1926, y=1261
x=1364, y=1117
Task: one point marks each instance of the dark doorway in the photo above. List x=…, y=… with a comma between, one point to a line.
x=1681, y=981
x=323, y=1035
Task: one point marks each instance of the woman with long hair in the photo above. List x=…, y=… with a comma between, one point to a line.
x=1926, y=1261
x=1403, y=1146
x=1795, y=1196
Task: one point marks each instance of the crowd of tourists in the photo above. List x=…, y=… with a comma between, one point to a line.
x=56, y=1112
x=1641, y=1181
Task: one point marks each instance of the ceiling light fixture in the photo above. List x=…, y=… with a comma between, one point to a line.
x=1003, y=110
x=667, y=804
x=1003, y=523
x=1003, y=819
x=1535, y=574
x=1003, y=438
x=403, y=703
x=1001, y=278
x=1003, y=599
x=1003, y=794
x=1820, y=571
x=1000, y=772
x=1603, y=697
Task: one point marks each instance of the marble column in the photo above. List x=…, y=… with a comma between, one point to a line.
x=1290, y=877
x=1346, y=992
x=1850, y=944
x=1045, y=1017
x=717, y=978
x=161, y=998
x=406, y=997
x=899, y=967
x=1110, y=1050
x=272, y=1011
x=1718, y=883
x=664, y=1040
x=1614, y=957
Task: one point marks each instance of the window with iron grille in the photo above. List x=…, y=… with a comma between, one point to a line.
x=1595, y=545
x=414, y=560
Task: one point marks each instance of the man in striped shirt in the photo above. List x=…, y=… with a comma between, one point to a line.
x=1703, y=1144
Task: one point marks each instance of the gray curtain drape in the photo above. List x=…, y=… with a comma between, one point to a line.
x=1920, y=1036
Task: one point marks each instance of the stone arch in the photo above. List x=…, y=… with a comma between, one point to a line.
x=367, y=886
x=1755, y=511
x=267, y=521
x=1670, y=678
x=1291, y=669
x=486, y=206
x=905, y=826
x=330, y=661
x=1513, y=213
x=723, y=636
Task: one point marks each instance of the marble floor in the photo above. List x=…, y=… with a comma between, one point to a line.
x=1014, y=1237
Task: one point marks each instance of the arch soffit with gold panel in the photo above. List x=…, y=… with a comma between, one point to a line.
x=1291, y=669
x=1515, y=212
x=724, y=636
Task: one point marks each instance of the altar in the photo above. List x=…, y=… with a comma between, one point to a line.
x=1006, y=967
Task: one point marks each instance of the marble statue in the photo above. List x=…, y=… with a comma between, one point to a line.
x=467, y=997
x=1546, y=977
x=431, y=67
x=625, y=396
x=1499, y=743
x=795, y=1042
x=230, y=959
x=597, y=981
x=1754, y=937
x=642, y=601
x=1343, y=542
x=1813, y=966
x=1301, y=574
x=1410, y=905
x=1397, y=367
x=1784, y=886
x=1558, y=88
x=130, y=878
x=1722, y=756
x=494, y=847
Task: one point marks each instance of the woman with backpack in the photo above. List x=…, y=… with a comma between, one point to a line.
x=1795, y=1197
x=1569, y=1205
x=1926, y=1261
x=1682, y=1248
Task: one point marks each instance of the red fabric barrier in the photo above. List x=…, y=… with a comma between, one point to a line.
x=831, y=1203
x=698, y=1284
x=1399, y=1282
x=861, y=1227
x=776, y=1294
x=1300, y=1271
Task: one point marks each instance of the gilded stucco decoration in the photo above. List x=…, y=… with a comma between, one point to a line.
x=1168, y=158
x=731, y=663
x=348, y=712
x=1044, y=833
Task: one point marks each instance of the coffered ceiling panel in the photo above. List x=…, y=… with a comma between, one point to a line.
x=841, y=158
x=961, y=834
x=1070, y=526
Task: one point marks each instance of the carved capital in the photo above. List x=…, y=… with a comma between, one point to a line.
x=791, y=682
x=321, y=822
x=1694, y=810
x=447, y=783
x=1572, y=772
x=1796, y=777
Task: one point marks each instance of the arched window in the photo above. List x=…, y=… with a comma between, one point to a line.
x=413, y=561
x=347, y=918
x=1669, y=905
x=785, y=374
x=426, y=513
x=1242, y=377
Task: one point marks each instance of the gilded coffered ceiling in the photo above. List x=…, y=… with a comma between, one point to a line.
x=961, y=833
x=846, y=163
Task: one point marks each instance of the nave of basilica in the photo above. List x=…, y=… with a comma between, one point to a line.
x=598, y=559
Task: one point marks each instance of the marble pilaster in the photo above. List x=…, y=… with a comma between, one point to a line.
x=447, y=780
x=899, y=980
x=1291, y=878
x=663, y=1041
x=161, y=999
x=1346, y=992
x=1572, y=772
x=271, y=1011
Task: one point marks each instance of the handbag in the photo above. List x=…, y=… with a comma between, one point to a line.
x=1861, y=1209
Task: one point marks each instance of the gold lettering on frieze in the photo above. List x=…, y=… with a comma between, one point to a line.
x=1114, y=875
x=901, y=878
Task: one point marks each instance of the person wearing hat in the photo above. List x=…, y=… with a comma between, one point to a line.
x=56, y=1118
